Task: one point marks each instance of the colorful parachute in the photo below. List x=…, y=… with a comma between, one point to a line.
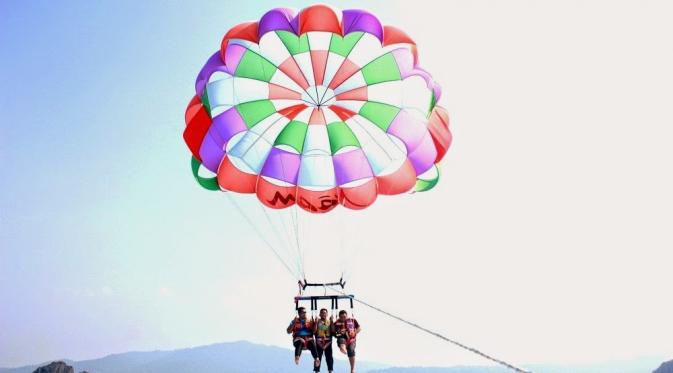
x=317, y=109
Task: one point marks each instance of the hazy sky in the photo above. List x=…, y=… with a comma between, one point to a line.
x=549, y=238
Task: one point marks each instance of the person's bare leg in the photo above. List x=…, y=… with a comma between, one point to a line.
x=352, y=361
x=314, y=352
x=297, y=352
x=342, y=348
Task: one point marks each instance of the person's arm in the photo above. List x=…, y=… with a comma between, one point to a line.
x=290, y=327
x=357, y=327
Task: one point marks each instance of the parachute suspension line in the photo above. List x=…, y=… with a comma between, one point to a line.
x=342, y=247
x=352, y=227
x=404, y=151
x=282, y=238
x=298, y=258
x=289, y=232
x=279, y=237
x=247, y=219
x=300, y=252
x=446, y=339
x=296, y=242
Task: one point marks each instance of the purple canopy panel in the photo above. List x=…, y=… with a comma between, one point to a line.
x=232, y=56
x=409, y=129
x=351, y=166
x=423, y=157
x=295, y=24
x=436, y=89
x=405, y=61
x=282, y=165
x=276, y=19
x=223, y=128
x=213, y=64
x=211, y=154
x=359, y=20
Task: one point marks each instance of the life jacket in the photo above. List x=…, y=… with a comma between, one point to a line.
x=323, y=330
x=302, y=328
x=346, y=329
x=323, y=334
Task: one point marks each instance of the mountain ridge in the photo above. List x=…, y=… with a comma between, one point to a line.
x=248, y=357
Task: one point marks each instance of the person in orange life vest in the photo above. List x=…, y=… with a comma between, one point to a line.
x=346, y=330
x=301, y=329
x=322, y=329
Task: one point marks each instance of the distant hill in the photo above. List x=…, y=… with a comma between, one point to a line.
x=456, y=369
x=666, y=367
x=640, y=365
x=55, y=367
x=246, y=357
x=234, y=357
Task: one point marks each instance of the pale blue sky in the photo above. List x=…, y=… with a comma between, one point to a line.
x=548, y=235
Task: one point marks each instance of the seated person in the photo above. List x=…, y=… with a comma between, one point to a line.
x=346, y=330
x=322, y=328
x=301, y=329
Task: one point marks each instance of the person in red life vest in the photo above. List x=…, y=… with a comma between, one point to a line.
x=346, y=330
x=301, y=329
x=322, y=329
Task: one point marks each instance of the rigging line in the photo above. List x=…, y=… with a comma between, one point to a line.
x=279, y=237
x=309, y=102
x=294, y=228
x=260, y=136
x=326, y=84
x=356, y=238
x=349, y=241
x=296, y=238
x=364, y=128
x=278, y=227
x=295, y=223
x=468, y=348
x=324, y=70
x=347, y=245
x=247, y=219
x=288, y=232
x=342, y=248
x=289, y=236
x=247, y=46
x=294, y=58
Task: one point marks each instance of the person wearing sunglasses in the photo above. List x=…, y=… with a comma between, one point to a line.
x=301, y=329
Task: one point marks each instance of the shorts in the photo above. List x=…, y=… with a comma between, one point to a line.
x=350, y=345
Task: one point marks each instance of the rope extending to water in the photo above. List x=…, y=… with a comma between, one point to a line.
x=398, y=318
x=465, y=347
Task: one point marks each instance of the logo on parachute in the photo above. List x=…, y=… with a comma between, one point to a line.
x=326, y=202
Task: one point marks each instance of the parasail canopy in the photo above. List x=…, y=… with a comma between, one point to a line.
x=316, y=109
